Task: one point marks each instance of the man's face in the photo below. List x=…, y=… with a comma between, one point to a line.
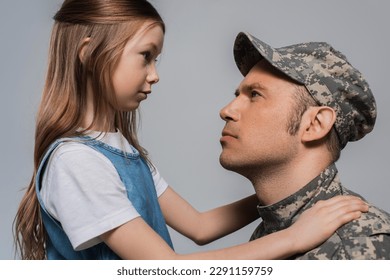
x=255, y=135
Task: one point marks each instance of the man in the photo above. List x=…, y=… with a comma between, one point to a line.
x=295, y=109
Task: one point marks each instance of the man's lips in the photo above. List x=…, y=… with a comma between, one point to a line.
x=226, y=135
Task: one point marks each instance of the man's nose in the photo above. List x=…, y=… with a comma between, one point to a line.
x=229, y=112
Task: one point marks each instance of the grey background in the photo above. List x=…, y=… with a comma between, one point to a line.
x=180, y=123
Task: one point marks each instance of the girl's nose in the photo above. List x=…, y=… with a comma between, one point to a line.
x=152, y=77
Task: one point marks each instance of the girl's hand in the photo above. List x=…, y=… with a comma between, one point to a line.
x=318, y=223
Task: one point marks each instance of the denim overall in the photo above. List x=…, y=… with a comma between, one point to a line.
x=135, y=175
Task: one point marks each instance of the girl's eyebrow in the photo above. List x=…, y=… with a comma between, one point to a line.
x=152, y=46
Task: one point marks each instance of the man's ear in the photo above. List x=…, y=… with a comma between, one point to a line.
x=83, y=49
x=317, y=122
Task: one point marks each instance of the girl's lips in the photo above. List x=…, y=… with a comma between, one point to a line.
x=144, y=94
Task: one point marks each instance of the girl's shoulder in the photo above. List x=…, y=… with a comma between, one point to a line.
x=79, y=144
x=73, y=150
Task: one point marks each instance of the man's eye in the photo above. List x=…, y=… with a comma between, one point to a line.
x=255, y=94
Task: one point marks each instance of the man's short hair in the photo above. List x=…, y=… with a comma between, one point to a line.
x=302, y=101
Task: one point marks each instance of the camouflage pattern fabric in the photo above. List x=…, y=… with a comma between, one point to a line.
x=325, y=72
x=365, y=238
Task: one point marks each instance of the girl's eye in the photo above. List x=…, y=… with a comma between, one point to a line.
x=147, y=56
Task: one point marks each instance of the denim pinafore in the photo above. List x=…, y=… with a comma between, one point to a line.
x=137, y=178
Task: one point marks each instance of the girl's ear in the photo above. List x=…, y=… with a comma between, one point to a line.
x=83, y=48
x=317, y=122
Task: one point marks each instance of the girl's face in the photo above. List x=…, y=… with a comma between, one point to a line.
x=136, y=71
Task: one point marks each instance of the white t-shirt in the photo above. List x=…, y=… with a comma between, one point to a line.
x=83, y=191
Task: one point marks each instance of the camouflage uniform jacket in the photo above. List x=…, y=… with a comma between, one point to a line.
x=365, y=238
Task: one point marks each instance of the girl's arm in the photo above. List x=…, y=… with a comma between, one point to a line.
x=205, y=227
x=136, y=240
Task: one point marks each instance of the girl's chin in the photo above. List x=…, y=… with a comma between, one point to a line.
x=129, y=108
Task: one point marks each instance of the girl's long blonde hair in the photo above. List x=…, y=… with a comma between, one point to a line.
x=107, y=24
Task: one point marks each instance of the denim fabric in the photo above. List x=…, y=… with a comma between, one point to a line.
x=137, y=178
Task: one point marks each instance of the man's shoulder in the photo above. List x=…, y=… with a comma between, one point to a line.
x=375, y=221
x=367, y=237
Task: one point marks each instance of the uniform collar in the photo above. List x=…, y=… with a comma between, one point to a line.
x=280, y=215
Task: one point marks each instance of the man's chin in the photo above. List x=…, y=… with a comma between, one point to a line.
x=238, y=167
x=228, y=164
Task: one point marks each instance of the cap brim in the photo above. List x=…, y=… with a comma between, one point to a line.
x=249, y=50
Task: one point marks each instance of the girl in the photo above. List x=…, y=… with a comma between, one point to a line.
x=94, y=193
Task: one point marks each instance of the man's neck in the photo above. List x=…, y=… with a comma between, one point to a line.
x=276, y=183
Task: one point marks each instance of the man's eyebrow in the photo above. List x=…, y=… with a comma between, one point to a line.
x=249, y=88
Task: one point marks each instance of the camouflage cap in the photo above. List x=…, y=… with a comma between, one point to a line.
x=325, y=72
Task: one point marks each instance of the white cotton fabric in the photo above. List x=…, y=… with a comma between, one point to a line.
x=82, y=190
